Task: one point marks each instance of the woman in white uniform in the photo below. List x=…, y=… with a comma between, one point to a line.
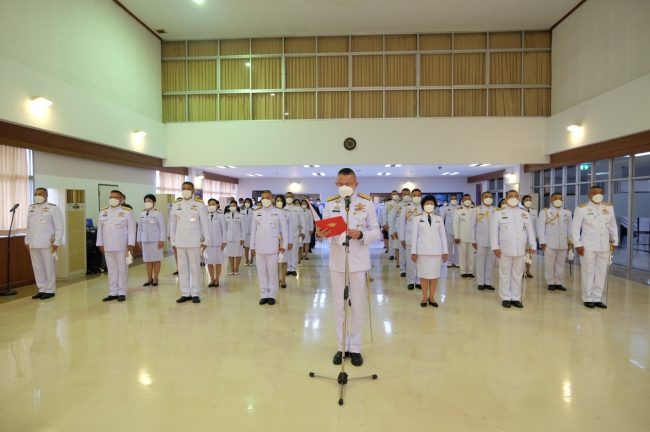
x=527, y=201
x=234, y=237
x=214, y=251
x=281, y=203
x=429, y=249
x=247, y=215
x=151, y=237
x=309, y=224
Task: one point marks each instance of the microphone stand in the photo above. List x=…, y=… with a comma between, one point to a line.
x=8, y=291
x=342, y=378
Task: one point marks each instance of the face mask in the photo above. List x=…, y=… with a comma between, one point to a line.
x=467, y=203
x=247, y=205
x=304, y=206
x=266, y=203
x=233, y=208
x=113, y=202
x=148, y=205
x=503, y=206
x=527, y=204
x=212, y=208
x=278, y=204
x=417, y=200
x=289, y=200
x=395, y=197
x=454, y=202
x=598, y=198
x=406, y=198
x=38, y=199
x=187, y=194
x=512, y=202
x=557, y=203
x=345, y=191
x=488, y=201
x=429, y=208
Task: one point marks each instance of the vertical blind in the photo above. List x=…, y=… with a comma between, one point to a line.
x=14, y=186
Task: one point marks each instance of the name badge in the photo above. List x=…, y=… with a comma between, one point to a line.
x=192, y=219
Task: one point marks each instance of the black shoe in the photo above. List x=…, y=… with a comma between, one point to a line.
x=210, y=285
x=338, y=358
x=463, y=275
x=432, y=303
x=148, y=283
x=196, y=299
x=264, y=301
x=38, y=295
x=551, y=287
x=391, y=258
x=283, y=285
x=470, y=275
x=411, y=287
x=46, y=296
x=590, y=305
x=121, y=298
x=202, y=264
x=505, y=303
x=560, y=288
x=481, y=287
x=450, y=266
x=109, y=298
x=183, y=299
x=517, y=304
x=175, y=273
x=423, y=304
x=154, y=283
x=455, y=266
x=288, y=273
x=529, y=276
x=271, y=301
x=600, y=305
x=418, y=286
x=357, y=360
x=402, y=275
x=489, y=287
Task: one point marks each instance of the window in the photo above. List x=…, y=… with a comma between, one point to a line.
x=619, y=200
x=570, y=198
x=571, y=174
x=15, y=185
x=218, y=189
x=547, y=177
x=621, y=168
x=602, y=170
x=169, y=183
x=557, y=176
x=640, y=224
x=585, y=172
x=642, y=164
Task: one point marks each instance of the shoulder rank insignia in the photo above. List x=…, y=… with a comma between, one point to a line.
x=126, y=208
x=198, y=198
x=179, y=199
x=364, y=196
x=583, y=205
x=103, y=209
x=334, y=197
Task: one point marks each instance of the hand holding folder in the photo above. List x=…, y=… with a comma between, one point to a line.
x=331, y=227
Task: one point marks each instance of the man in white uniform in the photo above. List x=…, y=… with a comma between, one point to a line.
x=44, y=235
x=386, y=213
x=189, y=234
x=484, y=256
x=447, y=213
x=296, y=234
x=408, y=216
x=553, y=231
x=595, y=236
x=115, y=238
x=464, y=236
x=511, y=237
x=391, y=220
x=362, y=230
x=405, y=204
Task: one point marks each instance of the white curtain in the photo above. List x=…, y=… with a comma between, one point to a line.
x=168, y=183
x=218, y=190
x=14, y=186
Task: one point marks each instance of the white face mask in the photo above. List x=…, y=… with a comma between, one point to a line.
x=512, y=202
x=395, y=197
x=187, y=194
x=212, y=208
x=345, y=191
x=278, y=204
x=148, y=205
x=289, y=200
x=113, y=202
x=527, y=204
x=557, y=203
x=467, y=203
x=453, y=202
x=598, y=198
x=417, y=200
x=38, y=199
x=488, y=201
x=247, y=205
x=266, y=203
x=304, y=206
x=503, y=206
x=429, y=208
x=406, y=198
x=233, y=208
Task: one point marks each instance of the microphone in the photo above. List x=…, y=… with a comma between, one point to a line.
x=347, y=203
x=13, y=209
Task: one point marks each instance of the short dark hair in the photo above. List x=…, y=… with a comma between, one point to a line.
x=596, y=186
x=427, y=199
x=453, y=194
x=266, y=191
x=212, y=199
x=512, y=190
x=467, y=195
x=150, y=196
x=41, y=189
x=486, y=192
x=556, y=193
x=347, y=171
x=115, y=191
x=406, y=189
x=248, y=200
x=416, y=190
x=526, y=196
x=187, y=183
x=281, y=198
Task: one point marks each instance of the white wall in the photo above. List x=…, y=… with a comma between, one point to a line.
x=416, y=141
x=62, y=172
x=98, y=65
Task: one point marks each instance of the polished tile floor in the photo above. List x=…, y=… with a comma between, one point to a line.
x=74, y=363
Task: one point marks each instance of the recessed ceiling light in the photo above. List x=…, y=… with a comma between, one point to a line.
x=319, y=174
x=393, y=165
x=642, y=154
x=474, y=165
x=485, y=164
x=311, y=166
x=383, y=173
x=230, y=166
x=574, y=128
x=221, y=166
x=445, y=173
x=199, y=2
x=250, y=175
x=454, y=173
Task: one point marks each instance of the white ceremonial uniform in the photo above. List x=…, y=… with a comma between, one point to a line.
x=115, y=232
x=269, y=224
x=447, y=214
x=594, y=228
x=553, y=230
x=234, y=234
x=484, y=255
x=463, y=217
x=403, y=252
x=511, y=232
x=429, y=243
x=392, y=209
x=151, y=230
x=217, y=228
x=189, y=230
x=295, y=228
x=309, y=225
x=362, y=217
x=44, y=230
x=247, y=220
x=408, y=217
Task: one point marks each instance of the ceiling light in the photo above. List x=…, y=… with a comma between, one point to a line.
x=250, y=175
x=454, y=173
x=311, y=166
x=393, y=165
x=230, y=166
x=474, y=165
x=446, y=173
x=642, y=154
x=319, y=174
x=247, y=64
x=272, y=94
x=383, y=173
x=139, y=134
x=485, y=164
x=255, y=175
x=574, y=128
x=199, y=2
x=221, y=166
x=41, y=102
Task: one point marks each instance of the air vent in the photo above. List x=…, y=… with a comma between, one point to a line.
x=161, y=31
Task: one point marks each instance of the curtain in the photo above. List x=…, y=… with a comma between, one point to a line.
x=235, y=47
x=401, y=103
x=470, y=41
x=505, y=40
x=505, y=68
x=469, y=103
x=333, y=44
x=300, y=105
x=173, y=76
x=505, y=102
x=332, y=71
x=298, y=45
x=469, y=69
x=169, y=183
x=202, y=74
x=367, y=71
x=435, y=70
x=435, y=103
x=218, y=189
x=367, y=104
x=266, y=46
x=209, y=48
x=234, y=107
x=235, y=75
x=431, y=42
x=537, y=68
x=173, y=109
x=202, y=107
x=537, y=102
x=267, y=73
x=173, y=49
x=400, y=70
x=14, y=186
x=537, y=39
x=367, y=43
x=301, y=72
x=401, y=43
x=332, y=105
x=267, y=107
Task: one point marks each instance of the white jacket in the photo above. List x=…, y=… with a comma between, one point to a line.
x=428, y=239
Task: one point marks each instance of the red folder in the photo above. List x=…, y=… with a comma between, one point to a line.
x=335, y=225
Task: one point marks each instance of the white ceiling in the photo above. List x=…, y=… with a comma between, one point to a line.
x=408, y=171
x=184, y=19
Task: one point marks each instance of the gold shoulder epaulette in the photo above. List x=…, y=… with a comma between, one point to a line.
x=364, y=196
x=104, y=208
x=127, y=208
x=498, y=209
x=198, y=198
x=334, y=197
x=608, y=204
x=53, y=205
x=583, y=205
x=179, y=199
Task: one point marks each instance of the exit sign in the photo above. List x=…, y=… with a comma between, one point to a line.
x=585, y=167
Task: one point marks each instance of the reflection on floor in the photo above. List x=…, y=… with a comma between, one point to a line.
x=74, y=363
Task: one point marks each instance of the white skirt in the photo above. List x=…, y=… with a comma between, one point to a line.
x=247, y=241
x=234, y=249
x=214, y=255
x=151, y=253
x=429, y=266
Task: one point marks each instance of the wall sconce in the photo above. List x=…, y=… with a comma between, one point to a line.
x=39, y=105
x=138, y=137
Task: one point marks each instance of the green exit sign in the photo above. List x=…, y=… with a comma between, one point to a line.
x=585, y=167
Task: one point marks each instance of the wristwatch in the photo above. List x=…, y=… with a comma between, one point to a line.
x=360, y=235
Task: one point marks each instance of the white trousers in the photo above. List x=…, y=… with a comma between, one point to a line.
x=511, y=271
x=466, y=252
x=402, y=257
x=292, y=256
x=267, y=273
x=117, y=272
x=484, y=265
x=189, y=271
x=44, y=269
x=593, y=270
x=452, y=250
x=554, y=265
x=356, y=314
x=411, y=267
